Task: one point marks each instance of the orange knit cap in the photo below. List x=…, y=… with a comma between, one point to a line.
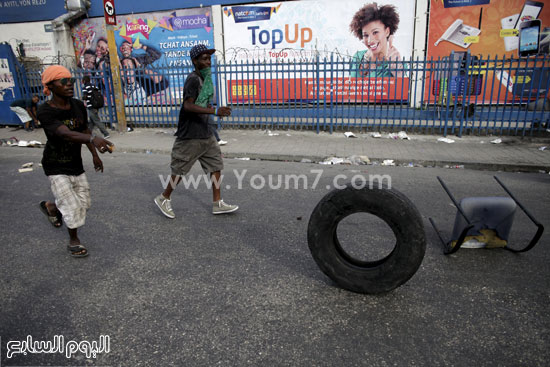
x=52, y=73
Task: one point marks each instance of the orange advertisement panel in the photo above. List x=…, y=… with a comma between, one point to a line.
x=336, y=90
x=488, y=30
x=477, y=28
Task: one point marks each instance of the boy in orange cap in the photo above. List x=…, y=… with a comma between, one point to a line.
x=64, y=120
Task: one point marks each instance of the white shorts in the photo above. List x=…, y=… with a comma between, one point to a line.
x=22, y=114
x=72, y=198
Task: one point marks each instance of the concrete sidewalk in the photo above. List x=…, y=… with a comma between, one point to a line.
x=473, y=152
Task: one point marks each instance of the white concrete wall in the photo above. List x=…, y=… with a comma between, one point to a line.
x=64, y=46
x=217, y=21
x=419, y=47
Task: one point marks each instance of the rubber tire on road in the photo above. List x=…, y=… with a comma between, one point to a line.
x=356, y=275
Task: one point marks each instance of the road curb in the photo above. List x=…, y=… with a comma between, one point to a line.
x=479, y=166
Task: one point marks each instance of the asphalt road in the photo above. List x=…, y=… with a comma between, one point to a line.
x=243, y=289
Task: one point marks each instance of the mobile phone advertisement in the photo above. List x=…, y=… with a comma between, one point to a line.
x=495, y=32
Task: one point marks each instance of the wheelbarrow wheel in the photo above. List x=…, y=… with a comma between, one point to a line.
x=361, y=276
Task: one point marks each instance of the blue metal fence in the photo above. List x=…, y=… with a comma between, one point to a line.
x=453, y=95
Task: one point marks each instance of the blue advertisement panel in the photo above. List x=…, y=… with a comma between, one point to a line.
x=8, y=90
x=152, y=44
x=460, y=3
x=18, y=11
x=142, y=6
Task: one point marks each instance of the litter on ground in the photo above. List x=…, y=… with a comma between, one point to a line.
x=359, y=159
x=354, y=160
x=403, y=135
x=334, y=160
x=30, y=144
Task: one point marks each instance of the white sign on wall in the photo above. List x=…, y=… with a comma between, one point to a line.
x=37, y=42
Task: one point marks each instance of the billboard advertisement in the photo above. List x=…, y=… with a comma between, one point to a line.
x=490, y=29
x=9, y=90
x=37, y=38
x=153, y=44
x=362, y=38
x=7, y=84
x=335, y=90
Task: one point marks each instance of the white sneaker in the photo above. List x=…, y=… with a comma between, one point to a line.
x=165, y=206
x=220, y=207
x=222, y=142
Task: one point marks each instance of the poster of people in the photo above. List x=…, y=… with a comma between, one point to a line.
x=149, y=46
x=364, y=39
x=6, y=81
x=491, y=29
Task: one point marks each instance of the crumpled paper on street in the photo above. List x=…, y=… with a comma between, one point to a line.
x=359, y=159
x=403, y=135
x=334, y=160
x=27, y=167
x=9, y=142
x=400, y=135
x=351, y=160
x=30, y=144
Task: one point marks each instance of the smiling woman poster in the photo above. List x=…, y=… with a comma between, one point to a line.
x=314, y=31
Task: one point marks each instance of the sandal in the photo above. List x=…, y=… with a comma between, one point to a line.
x=77, y=250
x=55, y=220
